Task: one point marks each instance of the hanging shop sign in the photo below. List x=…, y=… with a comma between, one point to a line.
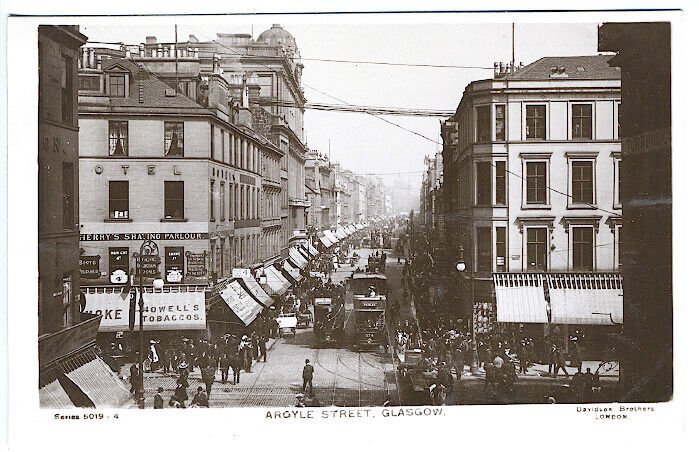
x=90, y=267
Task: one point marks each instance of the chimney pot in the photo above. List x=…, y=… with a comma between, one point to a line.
x=151, y=40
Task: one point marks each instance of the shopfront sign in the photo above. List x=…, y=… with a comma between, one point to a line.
x=174, y=264
x=196, y=264
x=241, y=273
x=90, y=267
x=118, y=265
x=162, y=310
x=108, y=237
x=148, y=266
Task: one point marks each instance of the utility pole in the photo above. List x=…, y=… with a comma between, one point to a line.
x=177, y=76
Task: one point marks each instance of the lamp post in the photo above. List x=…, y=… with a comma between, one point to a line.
x=148, y=248
x=461, y=267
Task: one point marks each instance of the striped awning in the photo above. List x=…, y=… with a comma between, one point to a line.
x=352, y=229
x=311, y=249
x=586, y=299
x=325, y=241
x=520, y=298
x=101, y=385
x=340, y=233
x=297, y=257
x=54, y=396
x=293, y=272
x=241, y=302
x=278, y=283
x=257, y=292
x=303, y=250
x=333, y=238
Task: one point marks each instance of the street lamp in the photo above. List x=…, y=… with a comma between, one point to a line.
x=461, y=267
x=147, y=254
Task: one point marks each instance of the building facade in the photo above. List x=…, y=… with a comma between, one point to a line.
x=645, y=119
x=536, y=169
x=59, y=276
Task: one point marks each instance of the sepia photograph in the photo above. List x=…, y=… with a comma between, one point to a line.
x=351, y=216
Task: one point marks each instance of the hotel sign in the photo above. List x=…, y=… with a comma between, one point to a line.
x=123, y=236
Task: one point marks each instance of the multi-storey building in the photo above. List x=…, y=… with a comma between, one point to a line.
x=644, y=56
x=538, y=175
x=70, y=372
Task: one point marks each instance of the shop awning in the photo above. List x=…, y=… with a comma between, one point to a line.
x=297, y=258
x=325, y=240
x=174, y=308
x=303, y=250
x=101, y=385
x=333, y=238
x=311, y=249
x=520, y=298
x=352, y=229
x=293, y=272
x=276, y=281
x=340, y=234
x=257, y=291
x=54, y=396
x=586, y=299
x=241, y=302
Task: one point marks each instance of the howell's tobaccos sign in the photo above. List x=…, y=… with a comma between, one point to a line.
x=107, y=237
x=162, y=311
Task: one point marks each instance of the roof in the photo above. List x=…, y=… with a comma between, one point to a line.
x=368, y=276
x=590, y=67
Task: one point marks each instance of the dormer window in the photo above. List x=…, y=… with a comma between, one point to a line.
x=117, y=85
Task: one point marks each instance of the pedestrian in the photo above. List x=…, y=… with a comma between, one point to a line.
x=560, y=363
x=208, y=375
x=158, y=399
x=180, y=396
x=236, y=364
x=307, y=375
x=254, y=346
x=134, y=378
x=225, y=364
x=200, y=399
x=263, y=348
x=551, y=358
x=458, y=362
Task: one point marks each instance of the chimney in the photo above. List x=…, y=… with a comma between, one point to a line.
x=151, y=40
x=192, y=38
x=141, y=50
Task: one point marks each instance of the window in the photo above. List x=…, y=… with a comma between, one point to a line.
x=212, y=205
x=230, y=148
x=536, y=183
x=174, y=139
x=118, y=138
x=582, y=182
x=237, y=202
x=118, y=199
x=265, y=82
x=583, y=249
x=536, y=122
x=67, y=296
x=500, y=184
x=223, y=144
x=618, y=247
x=501, y=249
x=117, y=85
x=619, y=185
x=582, y=121
x=118, y=265
x=484, y=184
x=89, y=82
x=485, y=251
x=174, y=264
x=174, y=200
x=500, y=123
x=212, y=145
x=68, y=197
x=231, y=202
x=222, y=201
x=536, y=249
x=483, y=124
x=67, y=94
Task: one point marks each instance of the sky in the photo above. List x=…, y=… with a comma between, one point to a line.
x=362, y=142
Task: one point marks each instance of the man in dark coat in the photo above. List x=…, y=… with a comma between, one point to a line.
x=158, y=399
x=263, y=348
x=208, y=374
x=225, y=364
x=307, y=375
x=236, y=364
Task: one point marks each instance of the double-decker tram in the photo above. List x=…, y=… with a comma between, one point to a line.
x=369, y=296
x=329, y=320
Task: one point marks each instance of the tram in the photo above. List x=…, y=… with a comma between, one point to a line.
x=369, y=296
x=329, y=321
